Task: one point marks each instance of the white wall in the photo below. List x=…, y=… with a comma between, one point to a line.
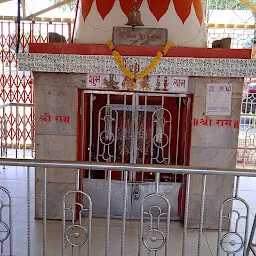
x=96, y=30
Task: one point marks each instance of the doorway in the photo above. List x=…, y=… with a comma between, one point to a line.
x=139, y=128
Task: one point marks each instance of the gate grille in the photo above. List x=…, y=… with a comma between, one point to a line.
x=18, y=86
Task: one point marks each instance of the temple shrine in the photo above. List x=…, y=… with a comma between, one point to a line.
x=151, y=94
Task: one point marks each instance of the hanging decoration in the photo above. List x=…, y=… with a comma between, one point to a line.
x=127, y=6
x=199, y=10
x=134, y=77
x=104, y=7
x=86, y=8
x=158, y=10
x=135, y=17
x=183, y=8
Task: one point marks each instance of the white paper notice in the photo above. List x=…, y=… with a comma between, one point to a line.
x=218, y=99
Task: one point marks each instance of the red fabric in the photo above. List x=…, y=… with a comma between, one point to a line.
x=199, y=10
x=86, y=8
x=159, y=8
x=127, y=6
x=104, y=7
x=183, y=8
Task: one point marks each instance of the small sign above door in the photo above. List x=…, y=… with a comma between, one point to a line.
x=179, y=84
x=140, y=36
x=152, y=83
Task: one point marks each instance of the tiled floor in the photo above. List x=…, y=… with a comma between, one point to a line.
x=15, y=180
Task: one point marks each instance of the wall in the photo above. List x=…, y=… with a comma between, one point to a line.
x=212, y=146
x=57, y=95
x=97, y=31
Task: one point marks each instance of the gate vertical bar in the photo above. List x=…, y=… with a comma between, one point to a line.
x=237, y=186
x=77, y=179
x=11, y=227
x=251, y=245
x=144, y=133
x=124, y=212
x=82, y=114
x=90, y=139
x=124, y=131
x=185, y=228
x=108, y=109
x=108, y=214
x=135, y=133
x=157, y=180
x=219, y=230
x=24, y=132
x=44, y=214
x=63, y=228
x=29, y=211
x=132, y=144
x=17, y=131
x=5, y=134
x=201, y=224
x=2, y=135
x=187, y=130
x=178, y=135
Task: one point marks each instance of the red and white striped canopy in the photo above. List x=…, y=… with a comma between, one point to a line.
x=157, y=7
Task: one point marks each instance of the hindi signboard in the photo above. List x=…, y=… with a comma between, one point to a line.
x=140, y=36
x=218, y=99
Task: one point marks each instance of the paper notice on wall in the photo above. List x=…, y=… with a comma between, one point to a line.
x=218, y=99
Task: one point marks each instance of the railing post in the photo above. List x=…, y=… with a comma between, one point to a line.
x=24, y=131
x=251, y=245
x=185, y=229
x=124, y=211
x=201, y=224
x=17, y=131
x=44, y=214
x=108, y=213
x=157, y=180
x=29, y=212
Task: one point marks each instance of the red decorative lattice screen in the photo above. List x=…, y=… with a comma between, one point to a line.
x=16, y=87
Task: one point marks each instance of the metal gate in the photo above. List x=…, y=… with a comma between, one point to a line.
x=141, y=128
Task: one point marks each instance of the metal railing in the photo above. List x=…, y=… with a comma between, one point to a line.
x=241, y=38
x=15, y=85
x=16, y=129
x=154, y=222
x=246, y=153
x=252, y=245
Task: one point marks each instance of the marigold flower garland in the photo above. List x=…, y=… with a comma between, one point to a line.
x=144, y=73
